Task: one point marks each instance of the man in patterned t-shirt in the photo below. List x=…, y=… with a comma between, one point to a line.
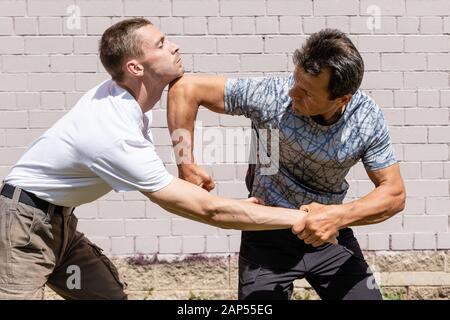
x=325, y=126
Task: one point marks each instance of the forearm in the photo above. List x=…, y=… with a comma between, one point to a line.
x=379, y=205
x=241, y=215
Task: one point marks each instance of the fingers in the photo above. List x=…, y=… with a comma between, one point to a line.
x=304, y=208
x=208, y=185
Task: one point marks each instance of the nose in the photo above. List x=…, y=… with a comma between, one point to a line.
x=174, y=48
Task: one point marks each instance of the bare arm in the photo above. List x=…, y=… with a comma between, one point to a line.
x=185, y=96
x=192, y=202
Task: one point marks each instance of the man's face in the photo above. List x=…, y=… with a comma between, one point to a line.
x=310, y=96
x=161, y=58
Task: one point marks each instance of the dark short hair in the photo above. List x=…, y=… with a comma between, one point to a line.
x=118, y=42
x=331, y=48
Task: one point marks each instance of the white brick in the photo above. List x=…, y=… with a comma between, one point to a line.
x=403, y=62
x=408, y=134
x=243, y=25
x=46, y=45
x=447, y=169
x=25, y=26
x=445, y=98
x=223, y=172
x=171, y=25
x=426, y=80
x=195, y=44
x=432, y=170
x=427, y=43
x=83, y=63
x=258, y=62
x=13, y=119
x=405, y=98
x=234, y=243
x=13, y=82
x=439, y=206
x=103, y=242
x=52, y=100
x=394, y=116
x=424, y=241
x=402, y=241
x=97, y=8
x=170, y=244
x=428, y=98
x=242, y=8
x=378, y=241
x=195, y=8
x=122, y=245
x=51, y=82
x=6, y=26
x=443, y=240
x=446, y=24
x=98, y=25
x=382, y=80
x=185, y=227
x=341, y=23
x=414, y=205
x=387, y=7
x=425, y=223
x=49, y=7
x=147, y=227
x=439, y=135
x=139, y=8
x=16, y=64
x=87, y=211
x=7, y=100
x=427, y=8
x=44, y=119
x=217, y=244
x=384, y=98
x=69, y=28
x=393, y=224
x=152, y=210
x=290, y=24
x=27, y=100
x=11, y=45
x=219, y=25
x=408, y=25
x=289, y=7
x=422, y=188
x=335, y=7
x=431, y=25
x=208, y=118
x=371, y=61
x=233, y=189
x=431, y=152
x=193, y=244
x=283, y=44
x=121, y=209
x=216, y=63
x=10, y=156
x=85, y=44
x=439, y=62
x=84, y=82
x=268, y=25
x=426, y=116
x=195, y=25
x=50, y=25
x=362, y=241
x=389, y=43
x=313, y=24
x=147, y=244
x=102, y=227
x=13, y=8
x=242, y=44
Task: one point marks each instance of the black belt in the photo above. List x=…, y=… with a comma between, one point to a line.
x=29, y=198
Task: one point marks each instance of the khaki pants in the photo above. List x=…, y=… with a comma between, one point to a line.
x=39, y=248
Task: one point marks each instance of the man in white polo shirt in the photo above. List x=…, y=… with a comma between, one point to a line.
x=104, y=143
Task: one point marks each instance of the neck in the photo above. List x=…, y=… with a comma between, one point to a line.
x=331, y=116
x=145, y=94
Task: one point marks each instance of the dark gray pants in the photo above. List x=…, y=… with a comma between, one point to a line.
x=270, y=261
x=38, y=248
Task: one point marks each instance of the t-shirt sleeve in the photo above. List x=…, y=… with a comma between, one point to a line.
x=380, y=153
x=131, y=165
x=255, y=98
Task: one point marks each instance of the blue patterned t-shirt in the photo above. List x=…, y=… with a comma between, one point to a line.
x=314, y=159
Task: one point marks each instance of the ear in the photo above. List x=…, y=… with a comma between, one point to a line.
x=134, y=68
x=344, y=100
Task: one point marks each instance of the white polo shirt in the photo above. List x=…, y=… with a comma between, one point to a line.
x=103, y=143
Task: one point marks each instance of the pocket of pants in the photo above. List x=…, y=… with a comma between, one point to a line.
x=248, y=271
x=25, y=222
x=111, y=267
x=353, y=248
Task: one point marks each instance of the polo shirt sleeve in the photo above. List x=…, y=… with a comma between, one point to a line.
x=379, y=153
x=132, y=165
x=255, y=98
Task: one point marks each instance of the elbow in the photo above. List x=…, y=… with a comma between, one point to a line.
x=210, y=212
x=400, y=201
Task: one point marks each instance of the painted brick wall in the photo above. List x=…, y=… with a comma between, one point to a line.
x=49, y=59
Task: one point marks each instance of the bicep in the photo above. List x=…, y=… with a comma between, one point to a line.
x=387, y=176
